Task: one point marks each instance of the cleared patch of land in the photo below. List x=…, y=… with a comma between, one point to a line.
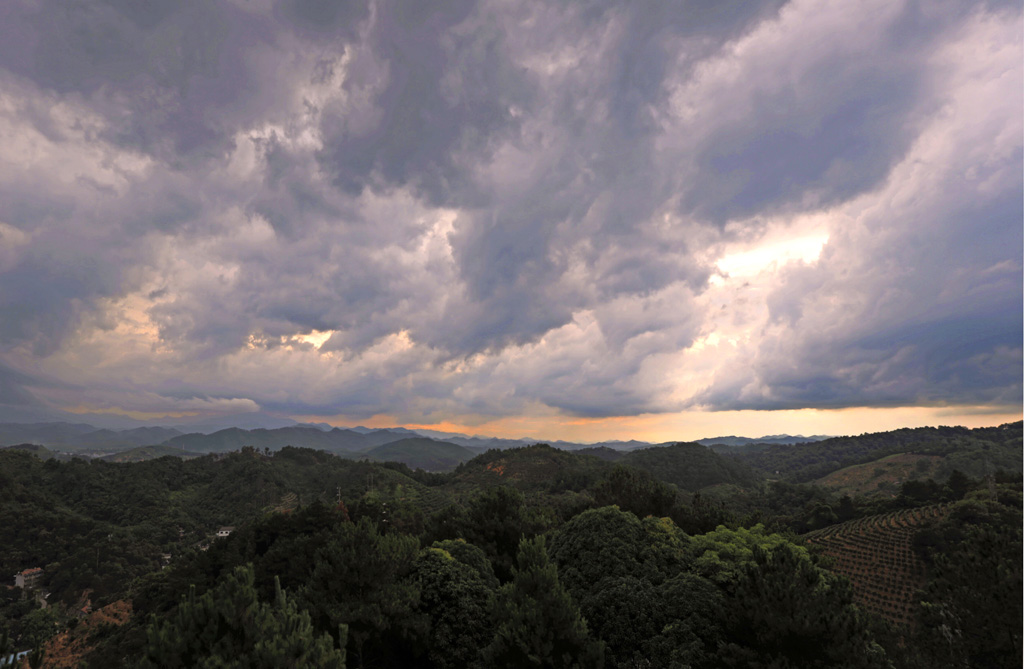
x=881, y=477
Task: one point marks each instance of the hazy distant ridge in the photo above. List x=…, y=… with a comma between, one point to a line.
x=75, y=436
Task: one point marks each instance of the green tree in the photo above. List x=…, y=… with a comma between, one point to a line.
x=456, y=598
x=537, y=623
x=36, y=657
x=958, y=484
x=723, y=555
x=786, y=612
x=494, y=521
x=636, y=491
x=598, y=544
x=472, y=557
x=971, y=611
x=629, y=578
x=37, y=627
x=229, y=627
x=361, y=580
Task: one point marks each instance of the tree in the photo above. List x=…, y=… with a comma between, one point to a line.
x=456, y=598
x=636, y=491
x=970, y=609
x=494, y=521
x=537, y=624
x=786, y=612
x=598, y=544
x=472, y=557
x=361, y=580
x=36, y=657
x=723, y=555
x=629, y=578
x=229, y=627
x=958, y=484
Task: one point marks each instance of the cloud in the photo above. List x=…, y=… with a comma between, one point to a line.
x=916, y=298
x=499, y=208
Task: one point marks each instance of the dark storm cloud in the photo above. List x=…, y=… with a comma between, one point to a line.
x=494, y=205
x=14, y=388
x=444, y=92
x=158, y=68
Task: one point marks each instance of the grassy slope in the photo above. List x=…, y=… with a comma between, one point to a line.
x=883, y=476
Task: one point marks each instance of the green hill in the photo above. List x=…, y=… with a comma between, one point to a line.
x=975, y=452
x=234, y=439
x=421, y=453
x=530, y=469
x=34, y=449
x=690, y=466
x=149, y=453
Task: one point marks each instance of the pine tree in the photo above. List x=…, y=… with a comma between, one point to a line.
x=229, y=627
x=361, y=580
x=537, y=623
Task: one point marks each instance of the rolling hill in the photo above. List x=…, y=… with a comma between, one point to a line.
x=690, y=466
x=421, y=453
x=335, y=441
x=530, y=469
x=143, y=453
x=976, y=452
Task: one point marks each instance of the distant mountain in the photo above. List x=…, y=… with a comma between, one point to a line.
x=256, y=420
x=616, y=445
x=320, y=426
x=44, y=434
x=422, y=453
x=260, y=430
x=233, y=439
x=79, y=436
x=401, y=430
x=379, y=437
x=150, y=435
x=488, y=443
x=143, y=453
x=775, y=439
x=603, y=452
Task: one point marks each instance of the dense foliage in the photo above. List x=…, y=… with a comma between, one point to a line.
x=976, y=452
x=526, y=557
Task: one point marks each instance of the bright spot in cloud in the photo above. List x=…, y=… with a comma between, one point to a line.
x=748, y=263
x=316, y=337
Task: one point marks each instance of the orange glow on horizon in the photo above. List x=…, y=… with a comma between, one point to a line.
x=693, y=425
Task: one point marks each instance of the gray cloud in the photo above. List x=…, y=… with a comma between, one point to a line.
x=493, y=207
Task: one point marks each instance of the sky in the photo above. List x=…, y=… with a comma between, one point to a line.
x=566, y=220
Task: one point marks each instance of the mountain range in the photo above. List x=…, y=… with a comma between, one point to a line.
x=426, y=449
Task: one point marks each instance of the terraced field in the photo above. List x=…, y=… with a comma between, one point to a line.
x=876, y=554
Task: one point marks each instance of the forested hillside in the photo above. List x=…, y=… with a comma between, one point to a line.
x=670, y=556
x=976, y=452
